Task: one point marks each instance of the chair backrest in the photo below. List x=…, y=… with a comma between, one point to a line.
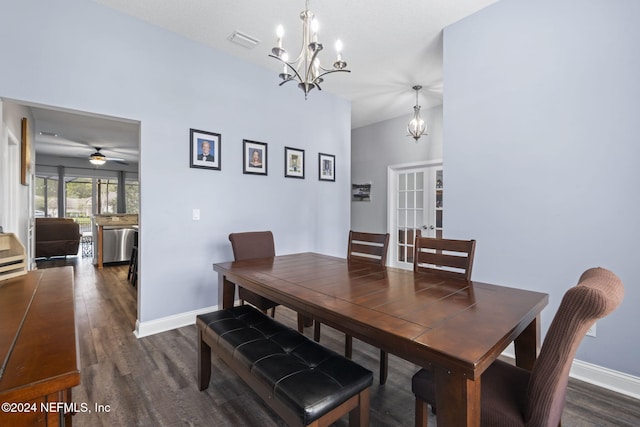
x=252, y=244
x=369, y=247
x=446, y=257
x=598, y=293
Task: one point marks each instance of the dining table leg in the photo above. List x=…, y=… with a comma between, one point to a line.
x=226, y=292
x=457, y=399
x=527, y=345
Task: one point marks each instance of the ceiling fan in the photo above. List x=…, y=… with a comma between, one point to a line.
x=100, y=159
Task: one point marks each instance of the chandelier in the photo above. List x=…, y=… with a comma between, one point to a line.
x=306, y=68
x=416, y=126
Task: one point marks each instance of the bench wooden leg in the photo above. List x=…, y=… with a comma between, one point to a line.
x=359, y=417
x=348, y=346
x=316, y=331
x=204, y=363
x=384, y=365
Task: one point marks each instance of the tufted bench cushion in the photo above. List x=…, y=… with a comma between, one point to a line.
x=300, y=379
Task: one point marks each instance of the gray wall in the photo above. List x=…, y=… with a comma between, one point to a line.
x=541, y=147
x=80, y=55
x=377, y=146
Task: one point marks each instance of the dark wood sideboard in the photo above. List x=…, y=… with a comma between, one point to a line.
x=38, y=348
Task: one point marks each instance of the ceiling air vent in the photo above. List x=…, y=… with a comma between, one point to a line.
x=243, y=40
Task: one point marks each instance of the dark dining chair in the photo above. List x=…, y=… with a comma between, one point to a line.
x=366, y=247
x=444, y=257
x=251, y=245
x=512, y=396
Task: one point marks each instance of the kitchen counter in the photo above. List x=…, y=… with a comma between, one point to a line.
x=116, y=247
x=116, y=219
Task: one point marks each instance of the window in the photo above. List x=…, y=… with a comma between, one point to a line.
x=132, y=198
x=79, y=198
x=46, y=197
x=108, y=195
x=79, y=203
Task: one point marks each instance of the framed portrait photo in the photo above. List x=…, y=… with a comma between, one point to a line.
x=254, y=157
x=326, y=167
x=205, y=150
x=293, y=163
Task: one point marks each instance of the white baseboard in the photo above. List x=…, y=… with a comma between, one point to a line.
x=144, y=329
x=597, y=375
x=607, y=378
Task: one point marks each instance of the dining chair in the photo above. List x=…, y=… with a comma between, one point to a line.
x=251, y=245
x=367, y=247
x=444, y=257
x=512, y=396
x=258, y=244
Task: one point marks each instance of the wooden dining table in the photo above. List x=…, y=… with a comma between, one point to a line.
x=455, y=327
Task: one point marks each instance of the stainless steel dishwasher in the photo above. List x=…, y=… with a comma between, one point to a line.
x=116, y=243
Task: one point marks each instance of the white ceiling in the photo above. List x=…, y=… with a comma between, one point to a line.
x=74, y=134
x=389, y=47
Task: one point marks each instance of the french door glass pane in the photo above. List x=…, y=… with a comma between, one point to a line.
x=411, y=181
x=420, y=181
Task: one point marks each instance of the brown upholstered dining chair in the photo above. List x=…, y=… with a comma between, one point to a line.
x=511, y=396
x=367, y=247
x=251, y=245
x=445, y=257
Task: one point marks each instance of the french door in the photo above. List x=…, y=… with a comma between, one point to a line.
x=415, y=202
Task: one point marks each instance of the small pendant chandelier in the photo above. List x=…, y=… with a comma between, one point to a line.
x=306, y=68
x=417, y=126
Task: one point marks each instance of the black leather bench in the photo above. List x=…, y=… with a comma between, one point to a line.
x=304, y=382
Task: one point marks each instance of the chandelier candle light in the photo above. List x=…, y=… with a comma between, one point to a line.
x=306, y=68
x=416, y=126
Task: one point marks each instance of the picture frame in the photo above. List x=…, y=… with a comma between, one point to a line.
x=326, y=167
x=361, y=192
x=293, y=163
x=205, y=149
x=254, y=157
x=25, y=152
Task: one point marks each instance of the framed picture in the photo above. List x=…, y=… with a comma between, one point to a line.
x=205, y=150
x=326, y=167
x=293, y=163
x=361, y=192
x=254, y=157
x=25, y=153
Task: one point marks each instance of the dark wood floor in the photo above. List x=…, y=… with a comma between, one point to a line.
x=152, y=381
